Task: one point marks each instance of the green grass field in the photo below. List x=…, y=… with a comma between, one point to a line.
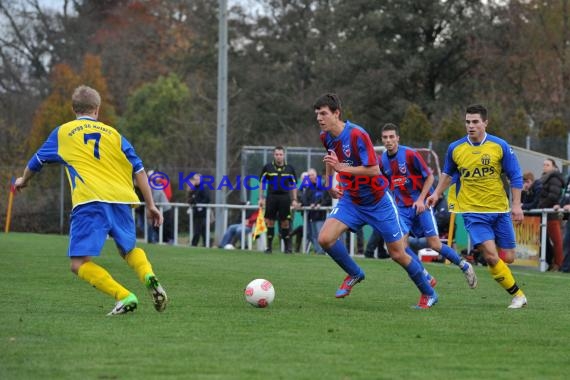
x=53, y=325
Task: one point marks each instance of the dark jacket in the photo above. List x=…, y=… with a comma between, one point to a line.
x=317, y=195
x=552, y=185
x=200, y=195
x=529, y=198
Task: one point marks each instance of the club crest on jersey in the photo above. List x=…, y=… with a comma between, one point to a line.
x=402, y=168
x=346, y=150
x=486, y=159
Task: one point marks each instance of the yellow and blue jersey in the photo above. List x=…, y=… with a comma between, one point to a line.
x=99, y=162
x=476, y=170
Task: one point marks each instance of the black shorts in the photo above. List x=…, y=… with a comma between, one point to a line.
x=278, y=207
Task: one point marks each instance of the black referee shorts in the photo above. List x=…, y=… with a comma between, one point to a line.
x=278, y=207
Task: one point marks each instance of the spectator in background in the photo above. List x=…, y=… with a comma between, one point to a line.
x=552, y=185
x=233, y=233
x=314, y=195
x=565, y=205
x=530, y=192
x=161, y=200
x=197, y=194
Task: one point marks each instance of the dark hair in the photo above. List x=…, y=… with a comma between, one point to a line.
x=477, y=109
x=328, y=100
x=279, y=147
x=553, y=162
x=391, y=127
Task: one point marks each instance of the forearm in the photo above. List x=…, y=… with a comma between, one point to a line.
x=426, y=187
x=516, y=194
x=368, y=171
x=28, y=174
x=444, y=183
x=146, y=191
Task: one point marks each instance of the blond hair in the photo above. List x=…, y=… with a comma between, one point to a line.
x=85, y=100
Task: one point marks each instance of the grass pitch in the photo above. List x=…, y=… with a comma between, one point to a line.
x=53, y=325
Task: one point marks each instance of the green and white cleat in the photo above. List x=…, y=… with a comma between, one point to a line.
x=127, y=304
x=157, y=292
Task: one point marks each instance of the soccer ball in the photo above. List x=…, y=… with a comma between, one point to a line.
x=259, y=293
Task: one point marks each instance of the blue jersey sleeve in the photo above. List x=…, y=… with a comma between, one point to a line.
x=47, y=154
x=511, y=166
x=450, y=167
x=131, y=155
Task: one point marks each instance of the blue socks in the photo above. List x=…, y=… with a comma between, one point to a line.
x=450, y=254
x=417, y=259
x=339, y=254
x=416, y=272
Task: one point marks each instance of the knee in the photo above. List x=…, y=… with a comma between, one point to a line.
x=507, y=255
x=326, y=241
x=75, y=265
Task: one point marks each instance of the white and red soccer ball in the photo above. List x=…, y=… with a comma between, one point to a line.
x=259, y=293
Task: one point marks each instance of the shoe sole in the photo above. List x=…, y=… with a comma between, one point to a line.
x=159, y=299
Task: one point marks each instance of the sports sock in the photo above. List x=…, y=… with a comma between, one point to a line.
x=286, y=238
x=270, y=234
x=502, y=274
x=140, y=264
x=415, y=258
x=447, y=252
x=340, y=255
x=416, y=272
x=100, y=279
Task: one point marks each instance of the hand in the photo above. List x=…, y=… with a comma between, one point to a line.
x=295, y=204
x=420, y=206
x=431, y=201
x=261, y=202
x=517, y=214
x=335, y=192
x=154, y=216
x=331, y=159
x=556, y=207
x=20, y=184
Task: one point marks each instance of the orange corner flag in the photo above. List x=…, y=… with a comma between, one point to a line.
x=260, y=226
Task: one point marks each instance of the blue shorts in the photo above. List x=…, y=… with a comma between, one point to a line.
x=382, y=217
x=92, y=222
x=495, y=226
x=420, y=225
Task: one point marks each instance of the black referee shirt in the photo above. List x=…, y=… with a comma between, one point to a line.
x=278, y=179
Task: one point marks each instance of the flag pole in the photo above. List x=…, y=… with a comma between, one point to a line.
x=9, y=210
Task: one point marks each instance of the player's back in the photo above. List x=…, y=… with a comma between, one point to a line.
x=99, y=162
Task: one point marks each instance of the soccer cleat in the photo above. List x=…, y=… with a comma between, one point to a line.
x=518, y=302
x=267, y=250
x=426, y=301
x=127, y=304
x=347, y=285
x=470, y=276
x=156, y=291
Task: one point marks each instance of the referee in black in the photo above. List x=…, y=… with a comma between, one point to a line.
x=280, y=180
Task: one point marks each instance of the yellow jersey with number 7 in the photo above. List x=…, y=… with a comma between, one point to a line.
x=99, y=161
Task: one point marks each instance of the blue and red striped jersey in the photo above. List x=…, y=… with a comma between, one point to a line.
x=353, y=147
x=407, y=171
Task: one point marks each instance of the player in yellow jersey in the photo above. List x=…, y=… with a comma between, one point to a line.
x=100, y=165
x=477, y=161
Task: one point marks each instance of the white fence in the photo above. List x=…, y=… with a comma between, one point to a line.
x=187, y=212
